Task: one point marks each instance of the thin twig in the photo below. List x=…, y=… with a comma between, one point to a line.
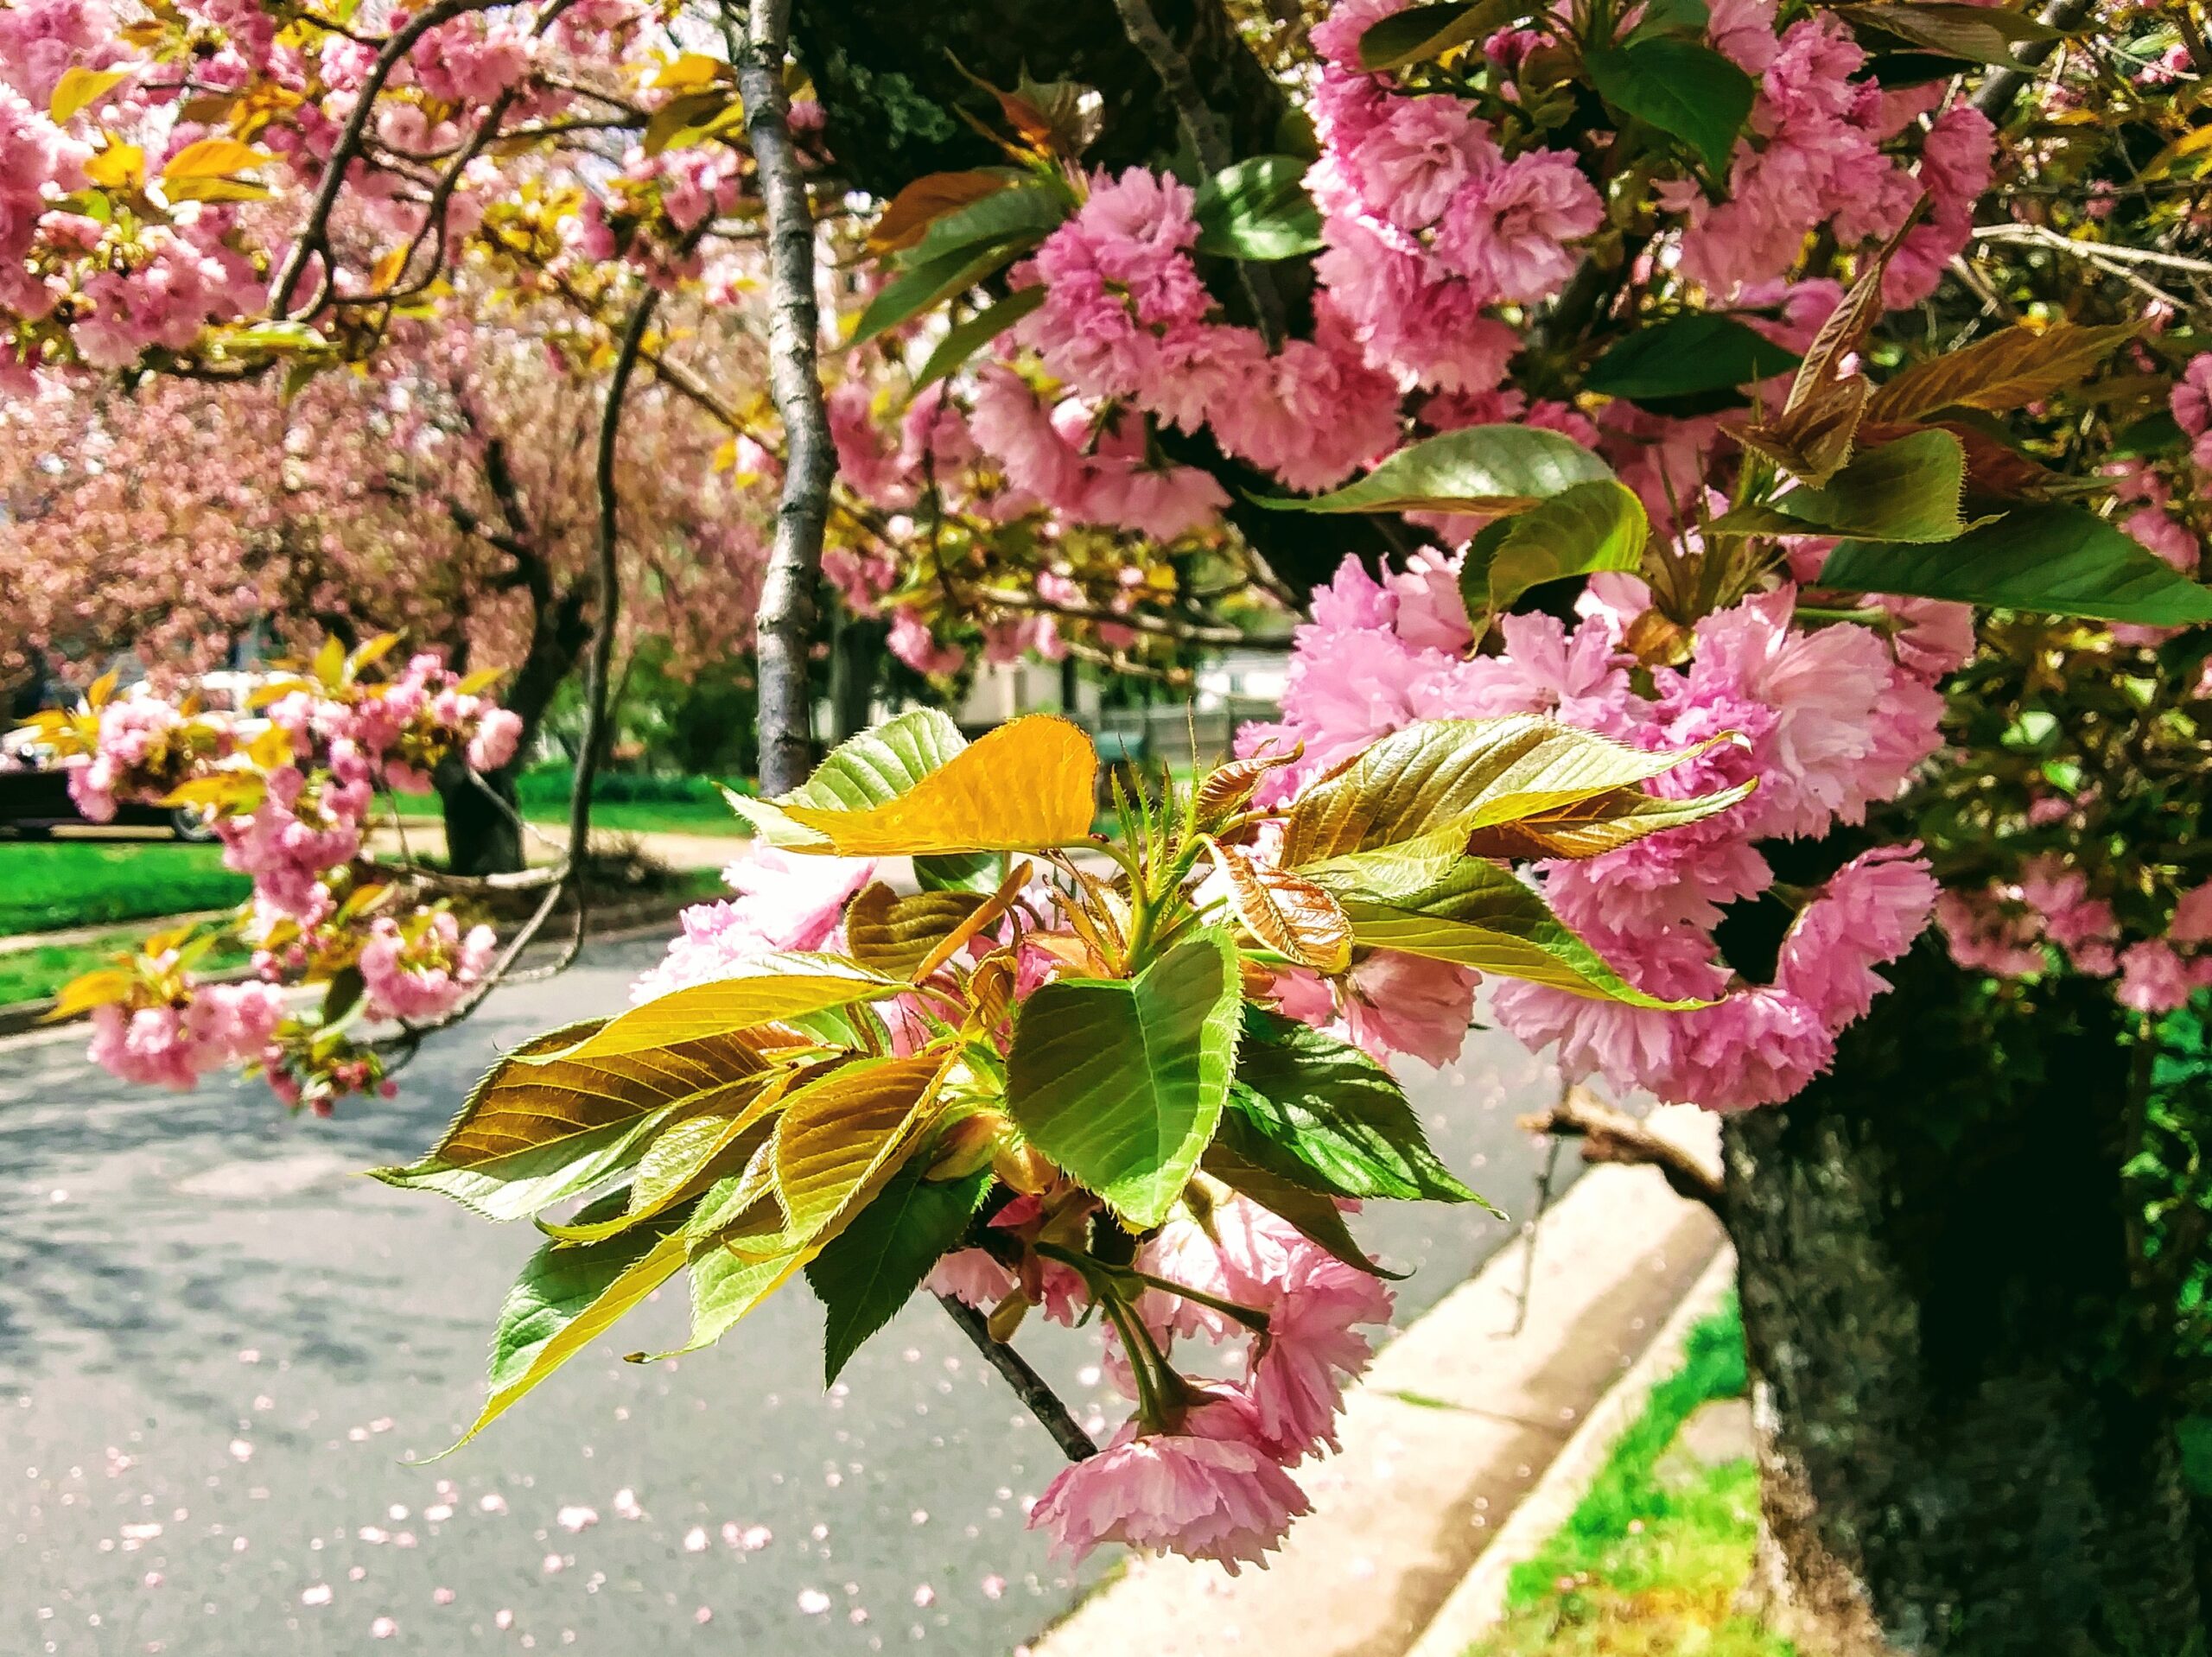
x=1032, y=1389
x=314, y=235
x=1612, y=1135
x=786, y=619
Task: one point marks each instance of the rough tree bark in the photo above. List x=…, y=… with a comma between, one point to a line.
x=1952, y=1461
x=785, y=626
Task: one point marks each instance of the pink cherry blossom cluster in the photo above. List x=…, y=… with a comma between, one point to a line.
x=172, y=1041
x=1428, y=222
x=2191, y=401
x=1126, y=318
x=2011, y=928
x=1830, y=720
x=288, y=792
x=1199, y=1469
x=1815, y=155
x=420, y=969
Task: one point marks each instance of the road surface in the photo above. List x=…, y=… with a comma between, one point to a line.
x=218, y=1350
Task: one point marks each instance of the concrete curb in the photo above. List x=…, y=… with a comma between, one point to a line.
x=1477, y=1604
x=1445, y=1437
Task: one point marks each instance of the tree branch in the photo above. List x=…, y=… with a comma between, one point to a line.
x=1996, y=94
x=1610, y=1135
x=786, y=621
x=1032, y=1389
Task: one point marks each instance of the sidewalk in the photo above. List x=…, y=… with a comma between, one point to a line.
x=1454, y=1424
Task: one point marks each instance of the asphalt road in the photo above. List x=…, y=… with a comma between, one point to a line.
x=218, y=1348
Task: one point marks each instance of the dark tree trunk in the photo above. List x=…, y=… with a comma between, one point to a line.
x=482, y=836
x=856, y=648
x=1933, y=1259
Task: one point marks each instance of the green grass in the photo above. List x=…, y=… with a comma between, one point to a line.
x=1647, y=1565
x=621, y=803
x=46, y=886
x=34, y=974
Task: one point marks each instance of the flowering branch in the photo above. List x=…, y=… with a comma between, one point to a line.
x=786, y=613
x=1035, y=1393
x=1995, y=95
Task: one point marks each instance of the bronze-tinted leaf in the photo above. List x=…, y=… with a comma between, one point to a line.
x=895, y=933
x=1603, y=822
x=841, y=1136
x=1288, y=913
x=1227, y=790
x=2000, y=373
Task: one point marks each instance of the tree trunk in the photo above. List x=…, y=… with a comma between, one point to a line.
x=1934, y=1262
x=856, y=647
x=482, y=836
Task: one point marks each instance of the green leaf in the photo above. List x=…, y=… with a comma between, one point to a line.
x=1419, y=34
x=2196, y=1432
x=2058, y=560
x=1979, y=34
x=1905, y=489
x=682, y=1157
x=1686, y=355
x=1441, y=776
x=1025, y=213
x=545, y=1125
x=1120, y=1081
x=1579, y=531
x=728, y=1282
x=1478, y=468
x=957, y=872
x=914, y=291
x=1316, y=1109
x=1258, y=209
x=1312, y=1213
x=963, y=340
x=564, y=1300
x=1485, y=917
x=1672, y=17
x=869, y=1270
x=1679, y=87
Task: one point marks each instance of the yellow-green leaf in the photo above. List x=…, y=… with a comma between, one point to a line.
x=1484, y=917
x=548, y=1123
x=565, y=1298
x=1466, y=774
x=2003, y=372
x=895, y=933
x=1288, y=913
x=1028, y=785
x=80, y=88
x=773, y=987
x=1603, y=822
x=842, y=1136
x=217, y=158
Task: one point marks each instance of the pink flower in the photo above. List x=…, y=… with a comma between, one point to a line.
x=499, y=733
x=1744, y=30
x=1509, y=230
x=969, y=1276
x=2192, y=922
x=1204, y=1498
x=1397, y=1003
x=913, y=643
x=1870, y=913
x=1987, y=934
x=2152, y=978
x=784, y=901
x=1418, y=157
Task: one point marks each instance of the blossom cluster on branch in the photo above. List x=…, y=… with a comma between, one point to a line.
x=289, y=784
